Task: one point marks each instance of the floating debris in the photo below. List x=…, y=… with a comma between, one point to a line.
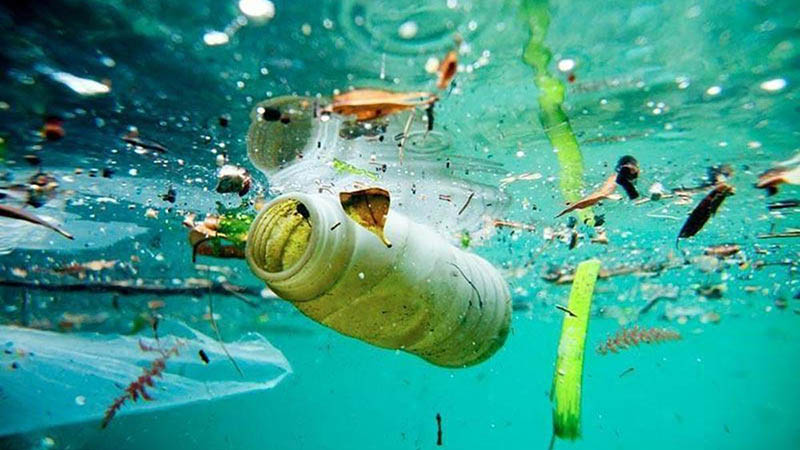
x=53, y=128
x=627, y=172
x=603, y=192
x=783, y=204
x=713, y=291
x=368, y=104
x=233, y=179
x=626, y=371
x=82, y=86
x=137, y=388
x=723, y=250
x=789, y=233
x=368, y=207
x=447, y=69
x=79, y=270
x=527, y=176
x=626, y=338
x=203, y=356
x=438, y=429
x=498, y=223
x=133, y=138
x=564, y=309
x=771, y=179
x=705, y=209
x=345, y=167
x=12, y=212
x=170, y=196
x=469, y=199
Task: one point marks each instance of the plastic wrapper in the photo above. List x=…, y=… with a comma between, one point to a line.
x=49, y=379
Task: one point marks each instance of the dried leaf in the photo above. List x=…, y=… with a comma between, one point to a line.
x=368, y=104
x=18, y=214
x=705, y=209
x=368, y=207
x=771, y=179
x=447, y=69
x=605, y=190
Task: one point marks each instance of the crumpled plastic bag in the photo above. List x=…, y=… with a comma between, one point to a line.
x=49, y=379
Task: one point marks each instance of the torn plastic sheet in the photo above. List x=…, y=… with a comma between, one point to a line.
x=49, y=379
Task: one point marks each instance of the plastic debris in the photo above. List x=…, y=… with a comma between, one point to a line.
x=61, y=367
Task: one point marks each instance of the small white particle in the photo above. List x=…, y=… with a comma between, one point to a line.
x=714, y=90
x=566, y=64
x=432, y=65
x=361, y=275
x=133, y=172
x=213, y=38
x=80, y=400
x=306, y=29
x=408, y=30
x=773, y=85
x=257, y=9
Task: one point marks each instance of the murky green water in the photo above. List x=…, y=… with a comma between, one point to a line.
x=682, y=86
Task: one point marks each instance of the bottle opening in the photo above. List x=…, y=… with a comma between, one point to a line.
x=283, y=236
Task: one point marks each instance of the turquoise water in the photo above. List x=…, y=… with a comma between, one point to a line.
x=680, y=85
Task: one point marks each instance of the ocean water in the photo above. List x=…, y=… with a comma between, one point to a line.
x=683, y=86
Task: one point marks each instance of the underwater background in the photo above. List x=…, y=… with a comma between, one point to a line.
x=689, y=88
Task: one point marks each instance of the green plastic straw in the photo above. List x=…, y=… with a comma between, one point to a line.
x=551, y=115
x=566, y=393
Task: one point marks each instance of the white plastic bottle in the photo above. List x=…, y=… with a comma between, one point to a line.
x=421, y=295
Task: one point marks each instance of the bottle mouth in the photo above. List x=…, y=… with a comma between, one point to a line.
x=280, y=239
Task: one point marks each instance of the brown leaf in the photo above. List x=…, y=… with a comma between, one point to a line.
x=605, y=190
x=368, y=104
x=772, y=178
x=447, y=69
x=368, y=207
x=707, y=207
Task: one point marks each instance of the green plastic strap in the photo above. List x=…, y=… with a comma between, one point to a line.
x=566, y=393
x=551, y=115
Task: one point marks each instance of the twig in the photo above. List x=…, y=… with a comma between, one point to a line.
x=498, y=223
x=566, y=310
x=410, y=120
x=469, y=199
x=786, y=234
x=219, y=335
x=131, y=287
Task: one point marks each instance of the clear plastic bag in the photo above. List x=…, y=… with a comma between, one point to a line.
x=49, y=379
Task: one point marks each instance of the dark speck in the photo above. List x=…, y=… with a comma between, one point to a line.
x=271, y=115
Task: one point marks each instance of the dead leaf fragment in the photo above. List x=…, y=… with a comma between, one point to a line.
x=705, y=209
x=605, y=190
x=447, y=69
x=368, y=207
x=368, y=104
x=771, y=179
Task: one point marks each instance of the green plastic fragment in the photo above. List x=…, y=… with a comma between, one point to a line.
x=344, y=167
x=234, y=223
x=566, y=392
x=551, y=114
x=465, y=239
